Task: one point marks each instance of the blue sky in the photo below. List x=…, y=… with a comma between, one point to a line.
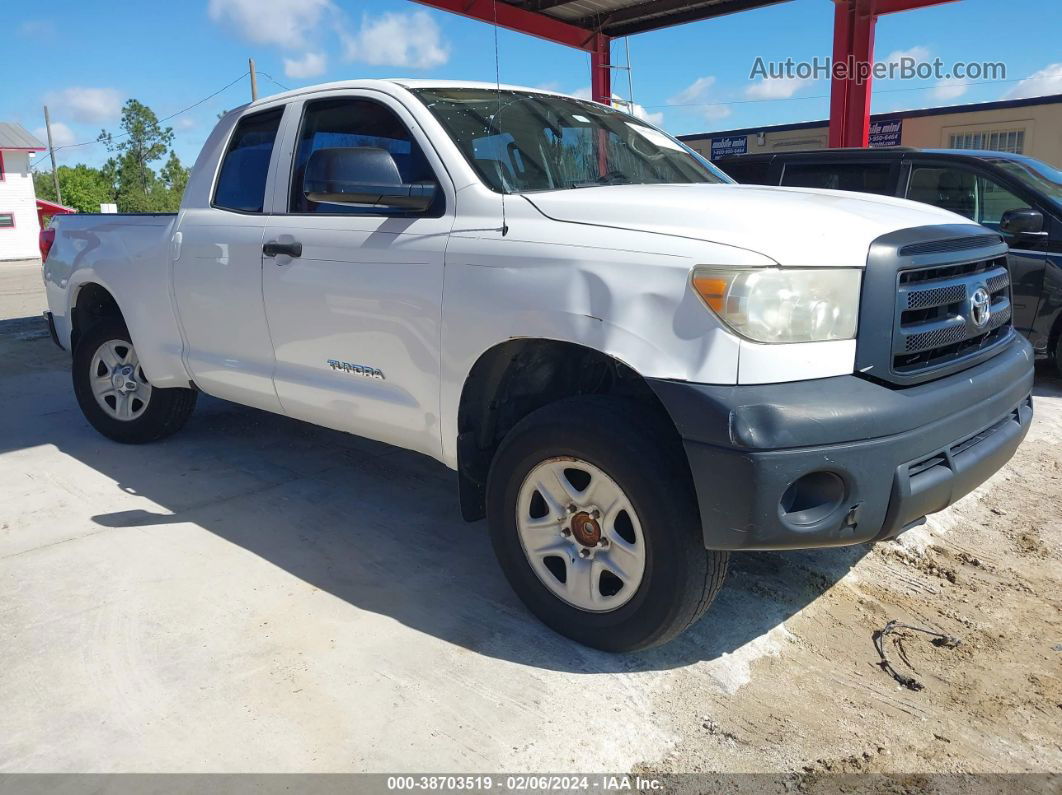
x=84, y=59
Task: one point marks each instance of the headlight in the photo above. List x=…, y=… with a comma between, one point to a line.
x=783, y=304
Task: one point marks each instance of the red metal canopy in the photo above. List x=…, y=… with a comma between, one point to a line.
x=591, y=25
x=46, y=208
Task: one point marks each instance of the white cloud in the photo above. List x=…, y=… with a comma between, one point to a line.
x=288, y=23
x=1046, y=81
x=949, y=89
x=397, y=39
x=62, y=135
x=698, y=93
x=311, y=64
x=776, y=88
x=87, y=104
x=37, y=29
x=656, y=119
x=715, y=112
x=917, y=53
x=638, y=111
x=185, y=123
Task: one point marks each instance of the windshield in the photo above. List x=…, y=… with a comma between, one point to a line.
x=1038, y=176
x=521, y=141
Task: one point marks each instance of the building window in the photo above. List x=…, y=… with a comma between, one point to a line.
x=7, y=220
x=997, y=141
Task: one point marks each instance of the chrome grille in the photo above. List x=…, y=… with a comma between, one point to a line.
x=937, y=321
x=915, y=304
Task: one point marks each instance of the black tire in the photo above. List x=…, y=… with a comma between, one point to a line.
x=166, y=410
x=633, y=446
x=1057, y=357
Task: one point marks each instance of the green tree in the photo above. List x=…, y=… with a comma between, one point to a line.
x=142, y=141
x=83, y=187
x=175, y=177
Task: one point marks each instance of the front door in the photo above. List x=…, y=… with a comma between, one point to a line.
x=355, y=314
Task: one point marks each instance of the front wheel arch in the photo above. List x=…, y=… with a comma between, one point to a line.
x=514, y=378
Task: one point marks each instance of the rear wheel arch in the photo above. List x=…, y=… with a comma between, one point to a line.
x=512, y=379
x=92, y=304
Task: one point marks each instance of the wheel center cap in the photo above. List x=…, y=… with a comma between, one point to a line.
x=123, y=380
x=585, y=529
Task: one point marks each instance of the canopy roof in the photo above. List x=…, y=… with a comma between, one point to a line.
x=625, y=17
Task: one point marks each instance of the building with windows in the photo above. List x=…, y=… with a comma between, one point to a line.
x=18, y=201
x=1031, y=127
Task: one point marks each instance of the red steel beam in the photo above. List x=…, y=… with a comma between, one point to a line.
x=882, y=7
x=518, y=19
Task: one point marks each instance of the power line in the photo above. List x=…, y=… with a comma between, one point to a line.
x=272, y=79
x=160, y=121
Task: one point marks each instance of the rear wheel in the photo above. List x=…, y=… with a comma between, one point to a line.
x=116, y=396
x=594, y=521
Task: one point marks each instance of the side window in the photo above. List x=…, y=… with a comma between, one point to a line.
x=995, y=200
x=242, y=180
x=862, y=177
x=963, y=192
x=331, y=123
x=947, y=188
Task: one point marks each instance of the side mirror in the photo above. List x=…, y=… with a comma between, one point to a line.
x=1024, y=221
x=365, y=175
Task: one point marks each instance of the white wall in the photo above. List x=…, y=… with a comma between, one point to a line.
x=17, y=196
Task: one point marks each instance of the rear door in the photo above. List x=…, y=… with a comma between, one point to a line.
x=217, y=276
x=355, y=317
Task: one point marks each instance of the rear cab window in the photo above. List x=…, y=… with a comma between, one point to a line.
x=241, y=183
x=861, y=177
x=751, y=172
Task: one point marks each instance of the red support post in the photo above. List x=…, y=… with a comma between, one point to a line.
x=853, y=49
x=601, y=69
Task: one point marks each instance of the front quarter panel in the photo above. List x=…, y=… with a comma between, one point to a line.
x=623, y=293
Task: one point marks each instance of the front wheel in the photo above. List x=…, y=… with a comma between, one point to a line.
x=116, y=396
x=594, y=521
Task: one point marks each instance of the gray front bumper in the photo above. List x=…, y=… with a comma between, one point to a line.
x=900, y=453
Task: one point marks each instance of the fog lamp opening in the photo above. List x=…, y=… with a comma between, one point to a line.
x=811, y=498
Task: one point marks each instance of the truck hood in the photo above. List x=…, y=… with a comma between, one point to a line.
x=792, y=226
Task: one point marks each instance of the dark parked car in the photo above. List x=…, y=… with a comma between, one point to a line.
x=1016, y=196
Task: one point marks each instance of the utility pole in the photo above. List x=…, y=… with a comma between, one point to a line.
x=51, y=151
x=254, y=80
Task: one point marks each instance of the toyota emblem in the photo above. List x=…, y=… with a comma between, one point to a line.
x=980, y=307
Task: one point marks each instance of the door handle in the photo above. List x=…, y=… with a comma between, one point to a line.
x=275, y=247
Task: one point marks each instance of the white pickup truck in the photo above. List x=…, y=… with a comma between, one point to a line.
x=633, y=364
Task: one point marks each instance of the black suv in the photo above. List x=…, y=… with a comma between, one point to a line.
x=1016, y=196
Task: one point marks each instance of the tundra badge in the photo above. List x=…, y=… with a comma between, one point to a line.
x=356, y=369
